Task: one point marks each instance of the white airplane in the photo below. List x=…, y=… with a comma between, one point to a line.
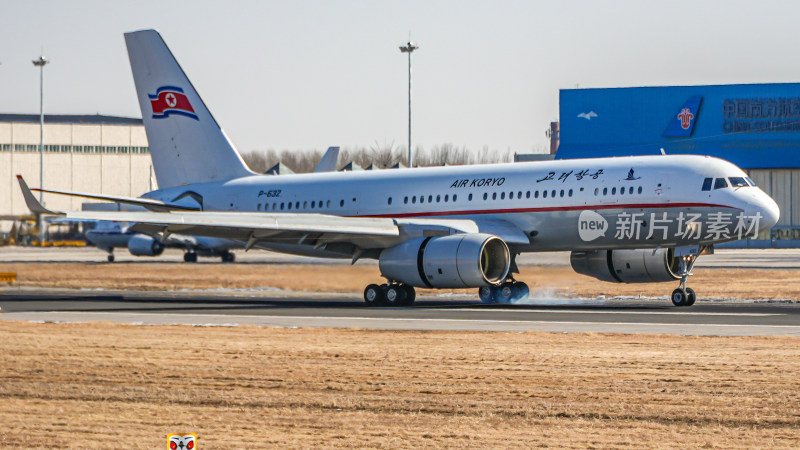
x=110, y=235
x=626, y=219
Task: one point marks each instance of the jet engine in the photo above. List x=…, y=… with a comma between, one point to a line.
x=455, y=261
x=627, y=266
x=141, y=245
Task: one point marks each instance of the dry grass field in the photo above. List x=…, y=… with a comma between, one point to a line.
x=109, y=385
x=732, y=283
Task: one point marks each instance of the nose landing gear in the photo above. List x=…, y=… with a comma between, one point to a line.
x=685, y=296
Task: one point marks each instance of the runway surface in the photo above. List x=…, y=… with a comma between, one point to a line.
x=556, y=315
x=723, y=258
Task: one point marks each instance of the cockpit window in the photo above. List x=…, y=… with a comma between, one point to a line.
x=720, y=183
x=738, y=182
x=750, y=181
x=707, y=184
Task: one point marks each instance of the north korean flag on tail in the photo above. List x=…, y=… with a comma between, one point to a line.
x=170, y=100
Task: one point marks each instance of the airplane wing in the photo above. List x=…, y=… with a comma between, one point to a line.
x=151, y=204
x=259, y=229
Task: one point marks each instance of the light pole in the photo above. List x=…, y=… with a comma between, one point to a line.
x=41, y=63
x=409, y=48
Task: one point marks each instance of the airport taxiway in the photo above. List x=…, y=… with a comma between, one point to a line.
x=652, y=316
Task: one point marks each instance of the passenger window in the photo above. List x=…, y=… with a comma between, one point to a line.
x=390, y=202
x=290, y=206
x=405, y=200
x=341, y=203
x=305, y=204
x=613, y=191
x=297, y=205
x=414, y=199
x=528, y=194
x=455, y=197
x=630, y=191
x=536, y=194
x=258, y=207
x=553, y=193
x=561, y=194
x=605, y=191
x=737, y=182
x=438, y=198
x=640, y=189
x=720, y=183
x=544, y=194
x=314, y=203
x=596, y=191
x=328, y=204
x=519, y=194
x=570, y=192
x=430, y=199
x=494, y=195
x=281, y=206
x=422, y=199
x=468, y=198
x=447, y=198
x=502, y=196
x=485, y=195
x=707, y=184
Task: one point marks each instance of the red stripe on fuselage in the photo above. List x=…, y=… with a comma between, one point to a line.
x=555, y=208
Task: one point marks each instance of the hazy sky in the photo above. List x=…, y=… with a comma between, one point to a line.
x=309, y=74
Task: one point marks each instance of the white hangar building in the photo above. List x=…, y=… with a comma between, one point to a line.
x=83, y=153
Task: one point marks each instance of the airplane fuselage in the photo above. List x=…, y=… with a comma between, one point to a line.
x=581, y=204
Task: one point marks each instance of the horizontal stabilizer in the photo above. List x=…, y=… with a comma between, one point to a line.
x=149, y=203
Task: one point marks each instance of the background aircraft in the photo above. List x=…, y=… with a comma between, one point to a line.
x=108, y=235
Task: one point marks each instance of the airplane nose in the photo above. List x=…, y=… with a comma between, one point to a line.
x=767, y=208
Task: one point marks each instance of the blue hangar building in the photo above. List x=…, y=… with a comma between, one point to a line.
x=755, y=126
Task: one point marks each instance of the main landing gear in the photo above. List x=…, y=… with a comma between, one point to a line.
x=506, y=292
x=190, y=257
x=390, y=294
x=685, y=296
x=228, y=257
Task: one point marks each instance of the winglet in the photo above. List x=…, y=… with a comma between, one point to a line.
x=30, y=199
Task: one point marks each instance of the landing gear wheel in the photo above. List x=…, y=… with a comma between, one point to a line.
x=395, y=295
x=680, y=297
x=373, y=295
x=411, y=294
x=486, y=294
x=522, y=290
x=228, y=257
x=110, y=258
x=190, y=257
x=691, y=296
x=505, y=292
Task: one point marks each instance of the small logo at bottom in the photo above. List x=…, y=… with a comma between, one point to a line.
x=182, y=441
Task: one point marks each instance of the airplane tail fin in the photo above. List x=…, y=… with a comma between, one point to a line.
x=328, y=161
x=186, y=143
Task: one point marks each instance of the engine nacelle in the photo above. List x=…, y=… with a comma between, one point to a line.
x=141, y=245
x=455, y=261
x=627, y=266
